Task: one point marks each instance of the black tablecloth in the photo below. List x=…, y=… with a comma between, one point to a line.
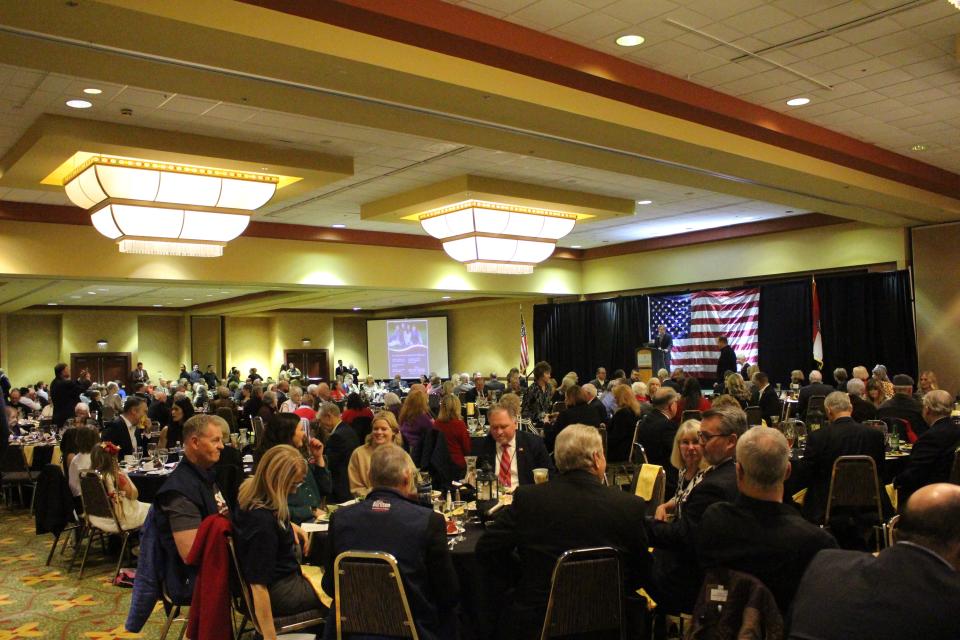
x=147, y=484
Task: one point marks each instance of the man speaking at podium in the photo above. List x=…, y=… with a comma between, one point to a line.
x=664, y=341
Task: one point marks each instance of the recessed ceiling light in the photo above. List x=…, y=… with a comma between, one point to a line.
x=209, y=295
x=92, y=91
x=644, y=201
x=798, y=102
x=444, y=297
x=79, y=104
x=76, y=297
x=357, y=308
x=630, y=40
x=918, y=147
x=102, y=289
x=187, y=299
x=339, y=226
x=224, y=292
x=51, y=304
x=158, y=305
x=576, y=246
x=92, y=293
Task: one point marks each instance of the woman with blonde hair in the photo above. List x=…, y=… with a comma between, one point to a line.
x=267, y=539
x=734, y=386
x=687, y=458
x=415, y=420
x=383, y=430
x=623, y=425
x=454, y=431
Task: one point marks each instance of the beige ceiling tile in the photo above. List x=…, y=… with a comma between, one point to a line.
x=496, y=13
x=549, y=13
x=888, y=44
x=141, y=97
x=591, y=26
x=637, y=12
x=863, y=68
x=507, y=6
x=860, y=99
x=839, y=14
x=920, y=98
x=187, y=105
x=885, y=79
x=869, y=31
x=924, y=13
x=727, y=8
x=721, y=75
x=231, y=112
x=819, y=47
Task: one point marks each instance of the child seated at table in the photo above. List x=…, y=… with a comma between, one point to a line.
x=130, y=512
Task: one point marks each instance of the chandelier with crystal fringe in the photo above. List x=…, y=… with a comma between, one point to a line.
x=159, y=208
x=491, y=237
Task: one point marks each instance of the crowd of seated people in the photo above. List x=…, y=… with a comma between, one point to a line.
x=729, y=484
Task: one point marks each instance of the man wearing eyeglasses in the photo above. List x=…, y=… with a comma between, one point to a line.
x=676, y=573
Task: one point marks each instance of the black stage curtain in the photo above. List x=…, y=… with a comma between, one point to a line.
x=868, y=319
x=582, y=336
x=865, y=318
x=786, y=329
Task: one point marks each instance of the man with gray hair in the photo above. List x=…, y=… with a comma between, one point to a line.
x=390, y=521
x=676, y=574
x=589, y=392
x=931, y=458
x=862, y=409
x=841, y=437
x=815, y=388
x=730, y=531
x=342, y=439
x=601, y=518
x=658, y=429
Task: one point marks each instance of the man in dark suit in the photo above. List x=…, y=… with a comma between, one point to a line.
x=862, y=409
x=589, y=393
x=677, y=575
x=159, y=410
x=658, y=429
x=600, y=381
x=931, y=458
x=478, y=390
x=664, y=341
x=340, y=370
x=765, y=397
x=757, y=533
x=65, y=392
x=511, y=454
x=842, y=437
x=341, y=441
x=576, y=412
x=727, y=361
x=910, y=591
x=388, y=520
x=592, y=516
x=139, y=374
x=124, y=431
x=815, y=388
x=494, y=384
x=903, y=405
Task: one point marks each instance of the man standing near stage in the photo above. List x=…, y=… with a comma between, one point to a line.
x=664, y=341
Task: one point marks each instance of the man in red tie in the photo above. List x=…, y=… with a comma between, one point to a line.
x=511, y=454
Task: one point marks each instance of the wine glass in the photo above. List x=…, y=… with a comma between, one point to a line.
x=164, y=456
x=483, y=420
x=152, y=450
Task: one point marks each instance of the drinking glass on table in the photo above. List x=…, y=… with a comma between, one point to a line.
x=483, y=420
x=164, y=456
x=152, y=450
x=789, y=433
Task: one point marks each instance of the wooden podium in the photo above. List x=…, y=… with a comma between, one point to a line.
x=645, y=362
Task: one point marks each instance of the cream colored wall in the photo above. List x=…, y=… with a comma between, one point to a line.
x=248, y=345
x=486, y=338
x=830, y=247
x=350, y=342
x=937, y=300
x=289, y=329
x=158, y=345
x=33, y=347
x=205, y=342
x=82, y=329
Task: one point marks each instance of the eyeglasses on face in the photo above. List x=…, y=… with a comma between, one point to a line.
x=707, y=437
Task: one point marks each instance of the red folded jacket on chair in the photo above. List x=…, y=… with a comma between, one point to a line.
x=210, y=607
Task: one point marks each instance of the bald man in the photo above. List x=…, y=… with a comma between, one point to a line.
x=910, y=591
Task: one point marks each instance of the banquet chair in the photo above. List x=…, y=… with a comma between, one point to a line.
x=955, y=469
x=890, y=529
x=855, y=490
x=369, y=596
x=241, y=599
x=585, y=594
x=97, y=503
x=256, y=425
x=650, y=483
x=691, y=414
x=754, y=417
x=174, y=614
x=15, y=472
x=816, y=404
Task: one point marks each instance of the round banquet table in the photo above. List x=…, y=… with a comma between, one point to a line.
x=147, y=483
x=39, y=455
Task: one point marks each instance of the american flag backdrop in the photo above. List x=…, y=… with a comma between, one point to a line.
x=696, y=320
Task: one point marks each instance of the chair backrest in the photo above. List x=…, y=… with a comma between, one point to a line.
x=363, y=425
x=635, y=448
x=240, y=593
x=228, y=478
x=955, y=469
x=816, y=404
x=650, y=483
x=879, y=425
x=585, y=594
x=754, y=416
x=558, y=406
x=13, y=460
x=96, y=502
x=603, y=437
x=892, y=530
x=256, y=423
x=854, y=484
x=691, y=414
x=369, y=596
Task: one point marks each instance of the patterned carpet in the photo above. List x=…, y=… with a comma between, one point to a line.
x=37, y=601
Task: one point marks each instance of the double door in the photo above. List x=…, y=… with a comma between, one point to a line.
x=103, y=367
x=314, y=363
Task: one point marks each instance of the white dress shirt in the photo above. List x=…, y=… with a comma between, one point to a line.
x=132, y=430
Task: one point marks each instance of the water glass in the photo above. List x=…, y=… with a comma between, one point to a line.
x=152, y=450
x=483, y=420
x=164, y=456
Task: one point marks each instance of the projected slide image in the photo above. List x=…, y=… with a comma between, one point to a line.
x=407, y=348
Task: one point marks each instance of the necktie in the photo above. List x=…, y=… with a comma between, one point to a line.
x=504, y=474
